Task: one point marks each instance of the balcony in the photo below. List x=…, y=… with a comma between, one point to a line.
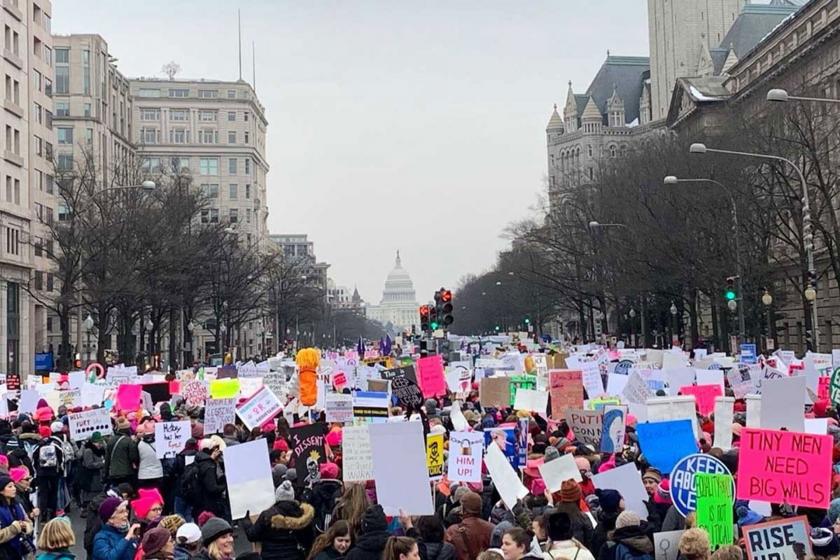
x=13, y=158
x=13, y=59
x=13, y=108
x=11, y=7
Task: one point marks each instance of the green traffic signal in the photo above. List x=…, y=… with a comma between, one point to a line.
x=730, y=295
x=434, y=325
x=527, y=321
x=498, y=328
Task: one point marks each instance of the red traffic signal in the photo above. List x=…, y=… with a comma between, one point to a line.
x=446, y=296
x=424, y=310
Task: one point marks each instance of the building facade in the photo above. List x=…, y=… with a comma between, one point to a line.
x=398, y=306
x=217, y=131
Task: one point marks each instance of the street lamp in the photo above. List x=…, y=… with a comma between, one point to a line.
x=767, y=300
x=146, y=186
x=807, y=234
x=88, y=325
x=149, y=326
x=672, y=180
x=778, y=95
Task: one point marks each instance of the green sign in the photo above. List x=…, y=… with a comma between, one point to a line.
x=714, y=507
x=521, y=381
x=834, y=388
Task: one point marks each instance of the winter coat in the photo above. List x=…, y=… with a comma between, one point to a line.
x=606, y=523
x=634, y=538
x=329, y=554
x=56, y=555
x=149, y=466
x=567, y=550
x=90, y=477
x=121, y=456
x=369, y=546
x=111, y=544
x=212, y=486
x=13, y=544
x=180, y=467
x=323, y=497
x=470, y=537
x=439, y=551
x=674, y=521
x=581, y=525
x=182, y=553
x=285, y=530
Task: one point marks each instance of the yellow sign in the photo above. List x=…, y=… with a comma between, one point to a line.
x=224, y=388
x=434, y=455
x=600, y=403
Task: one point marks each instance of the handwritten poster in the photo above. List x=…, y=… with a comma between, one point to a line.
x=171, y=438
x=261, y=407
x=465, y=450
x=404, y=385
x=430, y=376
x=566, y=388
x=783, y=539
x=217, y=413
x=587, y=425
x=355, y=445
x=339, y=408
x=714, y=508
x=83, y=424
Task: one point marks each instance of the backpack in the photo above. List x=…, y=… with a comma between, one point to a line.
x=48, y=456
x=191, y=484
x=622, y=552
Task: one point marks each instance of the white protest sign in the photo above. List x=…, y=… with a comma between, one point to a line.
x=248, y=474
x=399, y=468
x=673, y=408
x=459, y=421
x=635, y=393
x=248, y=369
x=818, y=426
x=171, y=437
x=465, y=449
x=591, y=379
x=724, y=416
x=76, y=379
x=356, y=460
x=249, y=385
x=753, y=411
x=781, y=404
x=628, y=481
x=666, y=545
x=218, y=413
x=339, y=407
x=261, y=407
x=677, y=377
x=616, y=383
x=711, y=377
x=28, y=401
x=92, y=395
x=504, y=477
x=71, y=398
x=83, y=424
x=559, y=470
x=531, y=400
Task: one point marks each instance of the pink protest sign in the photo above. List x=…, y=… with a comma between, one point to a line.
x=822, y=388
x=705, y=396
x=128, y=397
x=430, y=376
x=785, y=467
x=566, y=388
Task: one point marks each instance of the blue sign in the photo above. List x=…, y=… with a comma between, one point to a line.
x=44, y=361
x=682, y=479
x=623, y=367
x=748, y=354
x=666, y=443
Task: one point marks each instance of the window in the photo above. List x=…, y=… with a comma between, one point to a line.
x=233, y=216
x=36, y=79
x=214, y=215
x=210, y=190
x=208, y=93
x=9, y=194
x=179, y=114
x=248, y=190
x=179, y=136
x=50, y=281
x=205, y=216
x=12, y=241
x=207, y=116
x=39, y=280
x=48, y=87
x=48, y=56
x=62, y=70
x=231, y=93
x=63, y=212
x=39, y=180
x=149, y=114
x=245, y=116
x=233, y=191
x=39, y=247
x=247, y=137
x=87, y=109
x=179, y=92
x=181, y=164
x=149, y=135
x=151, y=165
x=48, y=119
x=48, y=150
x=65, y=135
x=232, y=166
x=247, y=215
x=65, y=162
x=247, y=166
x=86, y=71
x=49, y=183
x=147, y=92
x=62, y=108
x=88, y=136
x=208, y=166
x=17, y=191
x=231, y=137
x=208, y=136
x=37, y=113
x=231, y=116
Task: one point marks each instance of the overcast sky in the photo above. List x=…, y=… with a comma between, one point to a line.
x=393, y=124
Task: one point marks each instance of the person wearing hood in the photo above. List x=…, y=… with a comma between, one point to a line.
x=212, y=484
x=90, y=475
x=373, y=536
x=628, y=540
x=472, y=535
x=121, y=456
x=286, y=529
x=611, y=505
x=116, y=540
x=562, y=545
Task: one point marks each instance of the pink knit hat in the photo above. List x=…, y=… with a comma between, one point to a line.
x=18, y=473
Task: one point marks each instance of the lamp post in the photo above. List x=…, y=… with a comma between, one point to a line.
x=767, y=300
x=149, y=326
x=146, y=186
x=88, y=324
x=778, y=95
x=807, y=233
x=675, y=335
x=672, y=180
x=632, y=314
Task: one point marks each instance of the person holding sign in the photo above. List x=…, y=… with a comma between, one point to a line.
x=285, y=530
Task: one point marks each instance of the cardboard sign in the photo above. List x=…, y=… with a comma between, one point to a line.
x=430, y=376
x=434, y=456
x=260, y=408
x=785, y=467
x=306, y=445
x=217, y=414
x=714, y=507
x=705, y=396
x=399, y=468
x=357, y=464
x=227, y=388
x=83, y=424
x=683, y=479
x=404, y=386
x=587, y=425
x=465, y=450
x=248, y=475
x=494, y=392
x=613, y=428
x=784, y=539
x=171, y=438
x=566, y=388
x=339, y=408
x=195, y=392
x=665, y=443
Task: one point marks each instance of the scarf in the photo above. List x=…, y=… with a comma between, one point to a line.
x=8, y=514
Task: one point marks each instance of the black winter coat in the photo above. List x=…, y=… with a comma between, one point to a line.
x=635, y=538
x=212, y=485
x=285, y=531
x=369, y=546
x=439, y=551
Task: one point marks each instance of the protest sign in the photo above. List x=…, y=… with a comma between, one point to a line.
x=504, y=477
x=249, y=385
x=679, y=377
x=521, y=382
x=613, y=428
x=224, y=388
x=261, y=407
x=785, y=467
x=628, y=481
x=724, y=416
x=276, y=381
x=705, y=396
x=711, y=377
x=13, y=381
x=459, y=421
x=128, y=397
x=616, y=383
x=458, y=378
x=665, y=443
x=171, y=437
x=592, y=380
x=781, y=404
x=636, y=392
x=817, y=426
x=494, y=392
x=783, y=539
x=601, y=402
x=370, y=406
x=714, y=507
x=430, y=376
x=666, y=545
x=566, y=388
x=339, y=408
x=399, y=468
x=248, y=369
x=465, y=451
x=741, y=379
x=357, y=464
x=195, y=392
x=218, y=413
x=748, y=354
x=434, y=456
x=823, y=390
x=506, y=437
x=531, y=400
x=306, y=445
x=559, y=470
x=683, y=475
x=83, y=424
x=71, y=398
x=586, y=425
x=404, y=386
x=248, y=475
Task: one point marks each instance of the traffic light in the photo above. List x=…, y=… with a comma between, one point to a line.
x=425, y=312
x=527, y=321
x=730, y=294
x=434, y=318
x=445, y=307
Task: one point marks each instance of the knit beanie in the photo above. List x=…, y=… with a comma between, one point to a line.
x=214, y=528
x=329, y=470
x=663, y=493
x=627, y=519
x=18, y=473
x=172, y=523
x=609, y=500
x=374, y=519
x=278, y=474
x=653, y=474
x=284, y=492
x=570, y=492
x=107, y=508
x=149, y=497
x=551, y=453
x=154, y=540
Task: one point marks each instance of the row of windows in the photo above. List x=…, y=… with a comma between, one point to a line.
x=39, y=281
x=185, y=92
x=211, y=190
x=211, y=216
x=206, y=166
x=182, y=136
x=204, y=115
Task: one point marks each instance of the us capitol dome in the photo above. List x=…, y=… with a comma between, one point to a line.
x=398, y=305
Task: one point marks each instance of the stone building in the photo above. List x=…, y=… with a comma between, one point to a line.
x=398, y=306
